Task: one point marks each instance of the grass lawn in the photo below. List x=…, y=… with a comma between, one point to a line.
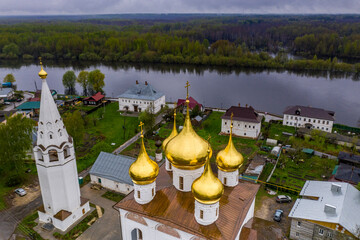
x=113, y=196
x=211, y=126
x=275, y=131
x=27, y=224
x=293, y=174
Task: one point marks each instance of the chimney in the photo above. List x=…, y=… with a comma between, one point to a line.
x=330, y=209
x=146, y=83
x=239, y=105
x=137, y=82
x=335, y=187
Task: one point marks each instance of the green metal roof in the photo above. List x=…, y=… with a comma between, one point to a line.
x=308, y=151
x=29, y=106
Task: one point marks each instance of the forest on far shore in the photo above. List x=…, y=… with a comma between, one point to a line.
x=263, y=41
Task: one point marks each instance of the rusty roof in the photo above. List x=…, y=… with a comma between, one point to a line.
x=176, y=209
x=62, y=215
x=246, y=114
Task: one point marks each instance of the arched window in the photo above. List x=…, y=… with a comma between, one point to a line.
x=51, y=135
x=136, y=234
x=53, y=155
x=66, y=152
x=48, y=125
x=39, y=155
x=60, y=133
x=181, y=183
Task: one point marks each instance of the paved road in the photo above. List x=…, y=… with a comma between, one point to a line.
x=106, y=228
x=15, y=104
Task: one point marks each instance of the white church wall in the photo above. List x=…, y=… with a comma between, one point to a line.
x=232, y=178
x=188, y=178
x=112, y=185
x=141, y=104
x=249, y=215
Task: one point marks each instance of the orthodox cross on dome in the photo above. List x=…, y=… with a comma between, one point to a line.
x=40, y=60
x=187, y=89
x=231, y=119
x=141, y=128
x=175, y=105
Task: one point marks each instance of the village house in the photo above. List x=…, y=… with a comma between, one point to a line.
x=181, y=103
x=309, y=117
x=94, y=100
x=112, y=172
x=247, y=122
x=349, y=168
x=326, y=210
x=140, y=97
x=5, y=93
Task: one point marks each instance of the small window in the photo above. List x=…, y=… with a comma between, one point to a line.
x=225, y=180
x=53, y=156
x=138, y=194
x=201, y=214
x=66, y=152
x=323, y=122
x=287, y=122
x=153, y=192
x=99, y=180
x=314, y=121
x=309, y=120
x=321, y=231
x=297, y=234
x=327, y=122
x=245, y=125
x=244, y=134
x=254, y=127
x=181, y=183
x=329, y=234
x=217, y=210
x=225, y=122
x=83, y=210
x=50, y=136
x=298, y=224
x=170, y=166
x=117, y=186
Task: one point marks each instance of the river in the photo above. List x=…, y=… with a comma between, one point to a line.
x=269, y=91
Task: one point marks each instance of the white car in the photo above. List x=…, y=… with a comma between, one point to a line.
x=21, y=192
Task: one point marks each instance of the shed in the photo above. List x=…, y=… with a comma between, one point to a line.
x=94, y=100
x=276, y=151
x=112, y=172
x=308, y=151
x=271, y=142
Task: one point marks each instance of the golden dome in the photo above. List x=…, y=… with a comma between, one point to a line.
x=187, y=150
x=207, y=189
x=144, y=170
x=173, y=134
x=42, y=73
x=229, y=159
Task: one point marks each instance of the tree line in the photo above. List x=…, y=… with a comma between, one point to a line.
x=91, y=82
x=219, y=41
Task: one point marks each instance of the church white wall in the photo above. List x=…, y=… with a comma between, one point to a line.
x=149, y=231
x=141, y=104
x=241, y=128
x=59, y=187
x=188, y=177
x=144, y=193
x=112, y=185
x=63, y=225
x=298, y=121
x=249, y=215
x=232, y=178
x=168, y=165
x=210, y=213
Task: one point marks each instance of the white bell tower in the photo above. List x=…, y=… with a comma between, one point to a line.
x=56, y=165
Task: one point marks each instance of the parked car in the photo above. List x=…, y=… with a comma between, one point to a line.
x=21, y=192
x=278, y=214
x=283, y=199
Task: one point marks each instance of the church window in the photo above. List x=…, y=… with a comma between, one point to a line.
x=60, y=133
x=201, y=214
x=225, y=180
x=327, y=122
x=153, y=192
x=50, y=136
x=66, y=151
x=41, y=135
x=99, y=180
x=181, y=183
x=140, y=236
x=321, y=231
x=53, y=156
x=245, y=126
x=244, y=134
x=225, y=122
x=138, y=194
x=40, y=156
x=253, y=126
x=217, y=210
x=83, y=210
x=48, y=125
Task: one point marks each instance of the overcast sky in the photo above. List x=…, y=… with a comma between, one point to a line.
x=41, y=7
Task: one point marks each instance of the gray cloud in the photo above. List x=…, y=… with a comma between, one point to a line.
x=40, y=7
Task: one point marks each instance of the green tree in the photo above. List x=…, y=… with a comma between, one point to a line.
x=11, y=50
x=75, y=125
x=96, y=81
x=82, y=79
x=9, y=78
x=68, y=80
x=358, y=186
x=148, y=119
x=195, y=111
x=15, y=141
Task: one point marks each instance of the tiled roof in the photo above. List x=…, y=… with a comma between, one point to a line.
x=246, y=114
x=348, y=173
x=113, y=167
x=29, y=105
x=310, y=112
x=346, y=202
x=5, y=91
x=349, y=157
x=176, y=209
x=143, y=92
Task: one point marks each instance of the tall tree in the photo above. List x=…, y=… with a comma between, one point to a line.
x=147, y=118
x=75, y=126
x=82, y=79
x=69, y=80
x=9, y=78
x=15, y=141
x=96, y=81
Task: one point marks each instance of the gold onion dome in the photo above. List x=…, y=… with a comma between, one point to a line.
x=187, y=150
x=42, y=73
x=229, y=159
x=144, y=170
x=207, y=189
x=173, y=134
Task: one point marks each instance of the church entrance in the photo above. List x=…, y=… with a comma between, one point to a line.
x=136, y=234
x=135, y=108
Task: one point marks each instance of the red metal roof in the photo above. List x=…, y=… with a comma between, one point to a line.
x=192, y=102
x=98, y=96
